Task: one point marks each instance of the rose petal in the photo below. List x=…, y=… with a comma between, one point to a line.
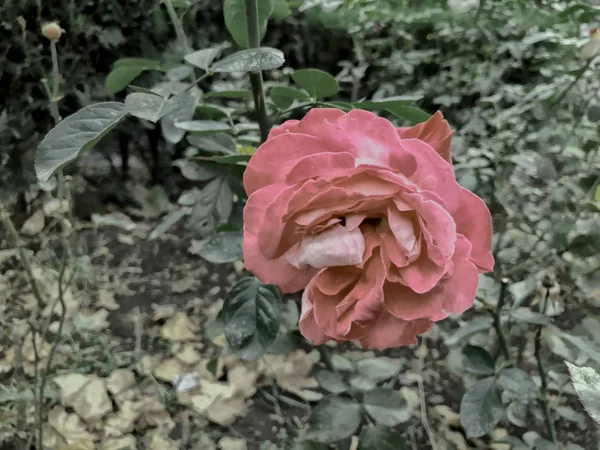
x=452, y=295
x=390, y=332
x=473, y=221
x=435, y=132
x=274, y=271
x=333, y=247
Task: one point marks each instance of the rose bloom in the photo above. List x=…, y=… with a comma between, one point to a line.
x=370, y=221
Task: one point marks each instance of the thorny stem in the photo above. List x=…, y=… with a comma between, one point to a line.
x=256, y=79
x=497, y=319
x=543, y=380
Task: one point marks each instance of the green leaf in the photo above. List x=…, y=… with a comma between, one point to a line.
x=360, y=383
x=229, y=94
x=593, y=112
x=526, y=315
x=282, y=10
x=116, y=219
x=317, y=83
x=250, y=60
x=203, y=126
x=193, y=171
x=333, y=419
x=476, y=325
x=234, y=12
x=380, y=438
x=387, y=407
x=75, y=135
x=212, y=209
x=151, y=107
x=341, y=363
x=136, y=62
x=217, y=143
x=481, y=408
x=230, y=159
x=183, y=113
x=126, y=70
x=308, y=445
x=168, y=222
x=399, y=108
x=250, y=315
x=220, y=248
x=378, y=369
x=120, y=77
x=284, y=96
x=477, y=360
x=517, y=383
x=331, y=382
x=586, y=384
x=203, y=58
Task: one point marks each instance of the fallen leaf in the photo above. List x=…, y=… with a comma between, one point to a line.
x=147, y=364
x=125, y=239
x=179, y=328
x=86, y=394
x=66, y=429
x=169, y=369
x=219, y=402
x=51, y=206
x=230, y=443
x=449, y=417
x=6, y=363
x=35, y=224
x=123, y=421
x=88, y=319
x=206, y=443
x=243, y=377
x=124, y=442
x=187, y=354
x=42, y=348
x=181, y=286
x=119, y=381
x=153, y=413
x=106, y=300
x=163, y=311
x=292, y=373
x=155, y=440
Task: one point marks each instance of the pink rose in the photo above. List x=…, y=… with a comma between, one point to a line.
x=370, y=221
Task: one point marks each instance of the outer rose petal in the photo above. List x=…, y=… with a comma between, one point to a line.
x=270, y=164
x=473, y=221
x=391, y=332
x=274, y=271
x=436, y=132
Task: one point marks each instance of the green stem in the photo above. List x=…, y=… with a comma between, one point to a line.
x=55, y=73
x=498, y=323
x=543, y=379
x=179, y=31
x=256, y=79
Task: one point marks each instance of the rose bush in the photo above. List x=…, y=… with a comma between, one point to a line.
x=370, y=221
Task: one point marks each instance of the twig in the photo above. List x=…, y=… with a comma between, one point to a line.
x=497, y=319
x=179, y=31
x=424, y=420
x=43, y=378
x=543, y=380
x=256, y=78
x=14, y=234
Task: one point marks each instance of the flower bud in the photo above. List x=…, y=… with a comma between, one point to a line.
x=52, y=31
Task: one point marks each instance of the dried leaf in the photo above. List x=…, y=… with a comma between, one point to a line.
x=66, y=429
x=120, y=443
x=230, y=443
x=107, y=300
x=291, y=373
x=35, y=224
x=86, y=394
x=220, y=402
x=179, y=328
